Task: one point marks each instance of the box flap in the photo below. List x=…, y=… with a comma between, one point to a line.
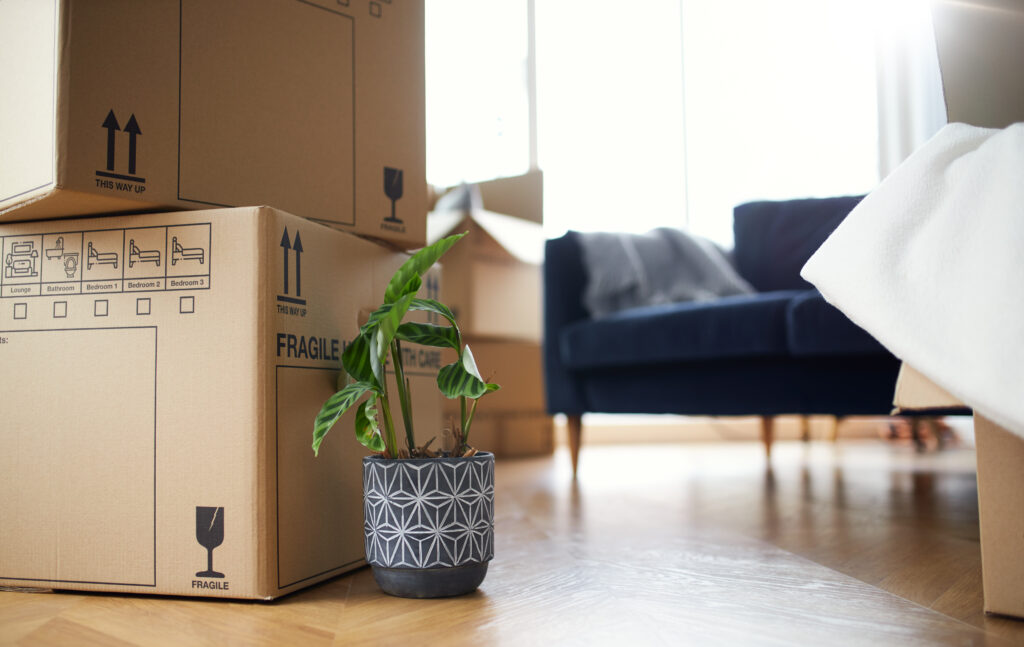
x=521, y=196
x=522, y=239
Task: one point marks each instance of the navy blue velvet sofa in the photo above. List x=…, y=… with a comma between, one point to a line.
x=783, y=350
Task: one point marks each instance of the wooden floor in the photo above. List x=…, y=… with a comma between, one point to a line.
x=861, y=543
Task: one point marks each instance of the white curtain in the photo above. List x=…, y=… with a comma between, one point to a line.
x=910, y=102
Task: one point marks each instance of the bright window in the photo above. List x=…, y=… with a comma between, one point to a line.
x=477, y=107
x=661, y=113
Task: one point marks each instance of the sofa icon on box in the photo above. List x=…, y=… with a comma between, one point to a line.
x=22, y=261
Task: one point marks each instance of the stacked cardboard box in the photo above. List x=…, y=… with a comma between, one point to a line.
x=161, y=371
x=312, y=106
x=1000, y=454
x=493, y=283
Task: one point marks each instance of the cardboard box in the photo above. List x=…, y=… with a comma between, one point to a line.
x=514, y=435
x=521, y=196
x=980, y=46
x=1000, y=492
x=313, y=106
x=512, y=421
x=492, y=277
x=161, y=374
x=516, y=365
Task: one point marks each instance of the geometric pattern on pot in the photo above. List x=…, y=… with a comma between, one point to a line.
x=428, y=513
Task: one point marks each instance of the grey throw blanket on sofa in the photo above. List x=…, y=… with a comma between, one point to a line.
x=664, y=265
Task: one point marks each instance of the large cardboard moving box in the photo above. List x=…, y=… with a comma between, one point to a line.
x=493, y=277
x=512, y=421
x=160, y=376
x=314, y=106
x=1000, y=492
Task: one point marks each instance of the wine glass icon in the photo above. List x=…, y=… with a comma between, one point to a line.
x=209, y=534
x=393, y=188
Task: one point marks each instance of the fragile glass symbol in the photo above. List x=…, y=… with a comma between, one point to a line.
x=209, y=534
x=393, y=187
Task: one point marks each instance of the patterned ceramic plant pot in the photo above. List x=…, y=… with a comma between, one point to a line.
x=429, y=523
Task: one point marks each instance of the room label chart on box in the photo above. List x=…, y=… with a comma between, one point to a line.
x=105, y=261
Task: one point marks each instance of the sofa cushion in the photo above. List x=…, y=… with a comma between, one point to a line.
x=736, y=326
x=773, y=240
x=814, y=327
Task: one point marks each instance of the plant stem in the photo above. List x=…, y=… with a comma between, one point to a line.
x=469, y=421
x=403, y=394
x=390, y=442
x=462, y=421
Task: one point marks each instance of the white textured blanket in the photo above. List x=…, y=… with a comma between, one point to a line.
x=932, y=265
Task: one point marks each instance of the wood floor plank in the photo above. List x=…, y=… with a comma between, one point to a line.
x=855, y=544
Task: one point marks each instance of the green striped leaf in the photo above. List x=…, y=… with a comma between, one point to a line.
x=376, y=359
x=430, y=305
x=429, y=335
x=387, y=328
x=367, y=429
x=416, y=266
x=356, y=360
x=455, y=381
x=336, y=405
x=375, y=317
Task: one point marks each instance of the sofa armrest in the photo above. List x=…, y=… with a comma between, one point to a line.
x=565, y=279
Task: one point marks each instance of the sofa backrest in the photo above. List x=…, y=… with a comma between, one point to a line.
x=773, y=239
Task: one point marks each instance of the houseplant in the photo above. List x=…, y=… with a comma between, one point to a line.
x=429, y=514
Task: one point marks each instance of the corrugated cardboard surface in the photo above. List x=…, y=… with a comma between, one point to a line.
x=1000, y=493
x=511, y=421
x=516, y=365
x=158, y=365
x=521, y=196
x=980, y=45
x=915, y=391
x=492, y=293
x=1000, y=501
x=302, y=104
x=513, y=435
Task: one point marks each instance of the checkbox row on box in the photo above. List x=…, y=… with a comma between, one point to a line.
x=101, y=307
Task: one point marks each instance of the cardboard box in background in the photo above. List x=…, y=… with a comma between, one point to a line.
x=1000, y=492
x=521, y=196
x=492, y=277
x=314, y=106
x=980, y=46
x=161, y=374
x=513, y=435
x=512, y=421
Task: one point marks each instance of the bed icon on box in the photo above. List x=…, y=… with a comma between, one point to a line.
x=180, y=253
x=136, y=255
x=96, y=257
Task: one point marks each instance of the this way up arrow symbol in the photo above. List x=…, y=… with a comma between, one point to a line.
x=286, y=245
x=110, y=123
x=132, y=128
x=298, y=264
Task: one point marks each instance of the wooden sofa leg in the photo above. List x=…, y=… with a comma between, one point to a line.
x=805, y=428
x=767, y=434
x=915, y=433
x=835, y=428
x=575, y=436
